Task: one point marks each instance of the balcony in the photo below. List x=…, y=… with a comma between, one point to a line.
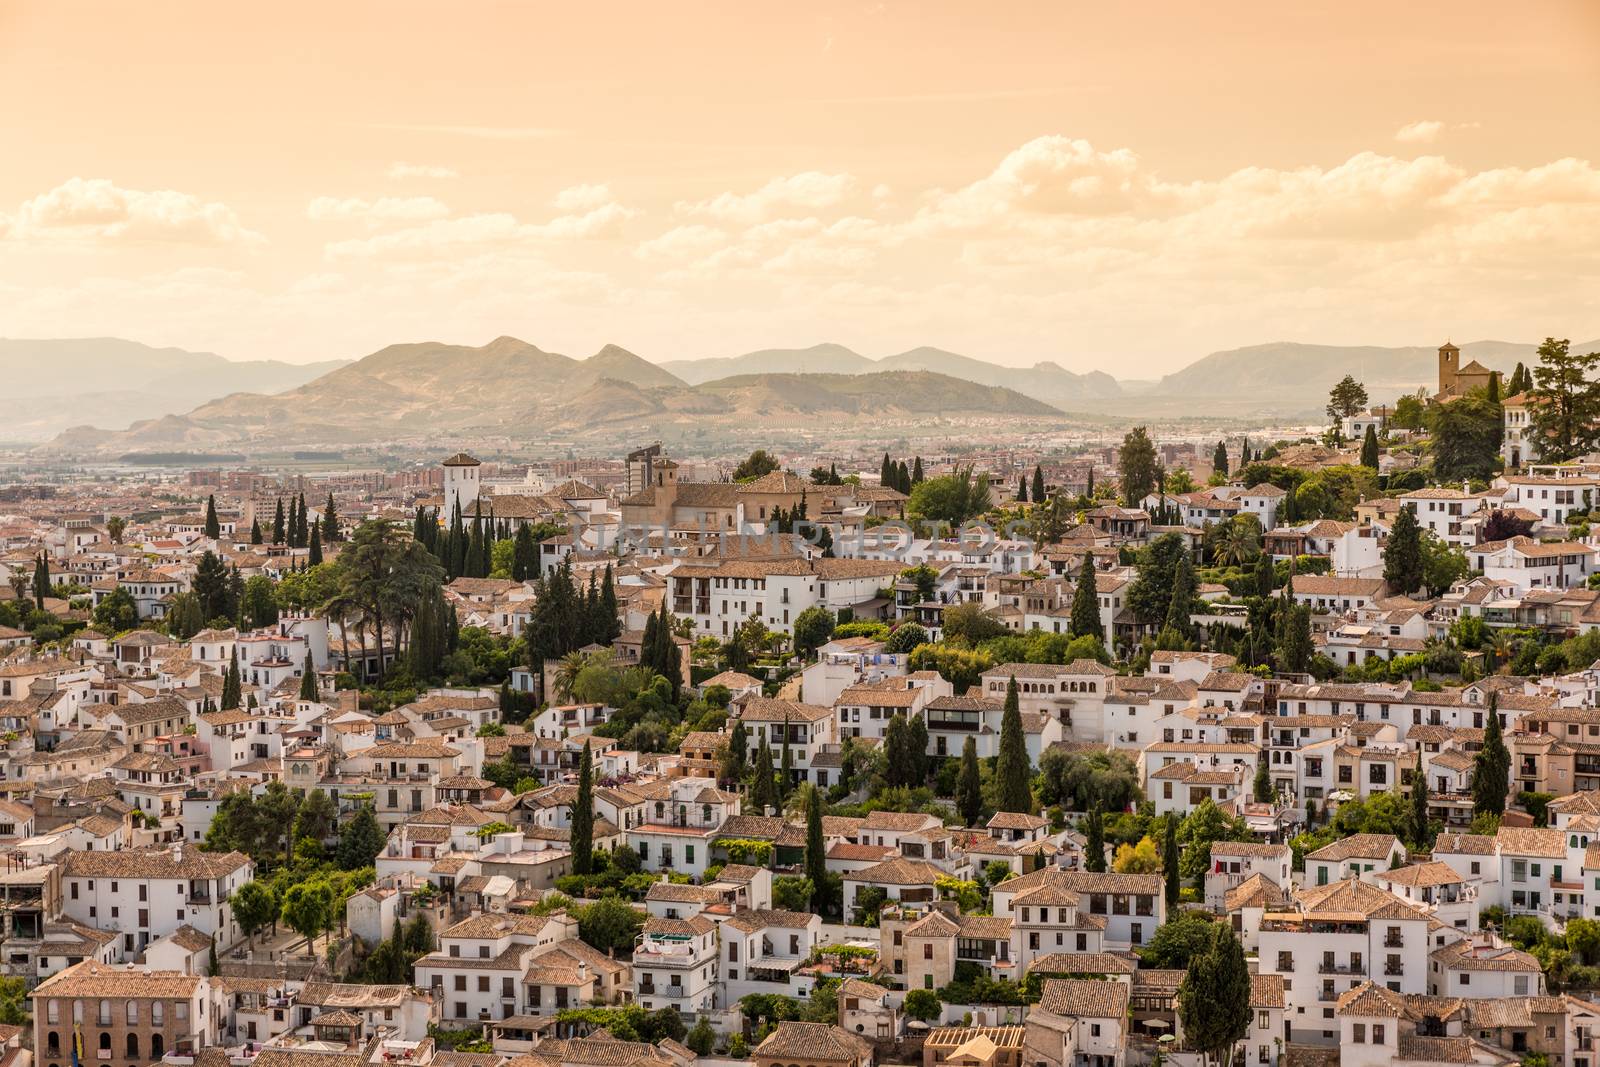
x=1394, y=970
x=1394, y=941
x=1327, y=996
x=1337, y=968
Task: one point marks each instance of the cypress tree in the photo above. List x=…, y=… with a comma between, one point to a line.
x=1420, y=837
x=786, y=766
x=916, y=472
x=969, y=786
x=1491, y=767
x=1183, y=597
x=608, y=609
x=1012, y=768
x=1369, y=448
x=330, y=520
x=1169, y=862
x=213, y=526
x=1214, y=997
x=739, y=746
x=762, y=795
x=1402, y=553
x=1088, y=489
x=1086, y=603
x=308, y=680
x=1493, y=392
x=314, y=556
x=1022, y=490
x=278, y=532
x=1219, y=458
x=648, y=643
x=303, y=533
x=525, y=555
x=667, y=656
x=905, y=478
x=1261, y=788
x=1294, y=647
x=41, y=580
x=886, y=472
x=255, y=531
x=1038, y=484
x=230, y=683
x=582, y=837
x=816, y=851
x=1094, y=845
x=1266, y=574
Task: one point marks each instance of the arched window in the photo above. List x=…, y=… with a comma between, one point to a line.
x=660, y=809
x=133, y=1013
x=133, y=1046
x=105, y=1043
x=52, y=1043
x=705, y=814
x=158, y=1047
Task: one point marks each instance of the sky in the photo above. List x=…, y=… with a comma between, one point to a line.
x=1121, y=187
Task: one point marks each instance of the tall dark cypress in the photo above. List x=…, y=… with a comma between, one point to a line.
x=816, y=852
x=314, y=557
x=608, y=608
x=278, y=531
x=231, y=684
x=330, y=520
x=1022, y=490
x=213, y=527
x=670, y=663
x=916, y=471
x=255, y=531
x=647, y=644
x=582, y=836
x=886, y=472
x=1038, y=484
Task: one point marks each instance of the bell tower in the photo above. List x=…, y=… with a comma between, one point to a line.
x=1449, y=366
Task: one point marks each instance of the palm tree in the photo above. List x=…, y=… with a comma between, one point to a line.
x=1237, y=544
x=1503, y=646
x=572, y=664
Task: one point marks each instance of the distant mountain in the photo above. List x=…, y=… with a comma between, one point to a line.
x=1285, y=377
x=1049, y=382
x=508, y=387
x=111, y=382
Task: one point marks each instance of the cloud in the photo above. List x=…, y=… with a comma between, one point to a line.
x=467, y=233
x=810, y=190
x=484, y=133
x=95, y=210
x=582, y=197
x=400, y=171
x=373, y=212
x=1428, y=130
x=1424, y=132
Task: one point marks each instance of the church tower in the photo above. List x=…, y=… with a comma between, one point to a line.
x=460, y=485
x=1449, y=367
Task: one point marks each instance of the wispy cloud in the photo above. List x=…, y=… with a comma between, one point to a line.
x=485, y=133
x=958, y=96
x=1428, y=130
x=404, y=170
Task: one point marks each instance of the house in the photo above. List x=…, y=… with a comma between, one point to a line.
x=1078, y=1022
x=1353, y=857
x=147, y=895
x=798, y=1044
x=675, y=965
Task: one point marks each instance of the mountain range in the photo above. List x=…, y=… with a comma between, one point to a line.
x=512, y=388
x=509, y=387
x=111, y=382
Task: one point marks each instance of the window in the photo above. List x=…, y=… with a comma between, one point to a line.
x=1377, y=1033
x=1358, y=1033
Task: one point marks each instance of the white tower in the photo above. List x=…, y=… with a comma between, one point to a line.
x=460, y=485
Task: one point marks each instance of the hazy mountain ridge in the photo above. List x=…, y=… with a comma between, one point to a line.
x=108, y=381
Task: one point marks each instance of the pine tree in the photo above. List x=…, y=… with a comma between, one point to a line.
x=1219, y=458
x=308, y=680
x=1369, y=448
x=1086, y=603
x=213, y=527
x=231, y=684
x=1491, y=767
x=1169, y=863
x=1094, y=845
x=969, y=786
x=314, y=555
x=816, y=851
x=1402, y=553
x=1038, y=484
x=1420, y=837
x=278, y=531
x=330, y=521
x=1012, y=769
x=582, y=835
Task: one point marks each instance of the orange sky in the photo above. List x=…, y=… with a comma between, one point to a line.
x=1123, y=187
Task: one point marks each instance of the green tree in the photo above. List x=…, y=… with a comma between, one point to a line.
x=1464, y=438
x=816, y=851
x=1086, y=602
x=609, y=924
x=1491, y=766
x=316, y=817
x=923, y=1004
x=951, y=498
x=1038, y=484
x=254, y=908
x=905, y=637
x=1408, y=413
x=41, y=580
x=1347, y=398
x=1169, y=864
x=1150, y=595
x=582, y=836
x=1178, y=941
x=117, y=612
x=701, y=1039
x=756, y=465
x=330, y=521
x=213, y=527
x=1219, y=458
x=1094, y=847
x=308, y=908
x=1443, y=564
x=812, y=628
x=969, y=786
x=1138, y=466
x=1214, y=996
x=1402, y=553
x=763, y=789
x=1261, y=788
x=231, y=685
x=308, y=680
x=1012, y=769
x=1294, y=649
x=361, y=840
x=1566, y=408
x=1369, y=448
x=1419, y=836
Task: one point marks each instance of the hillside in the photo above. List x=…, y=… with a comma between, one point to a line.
x=1284, y=377
x=510, y=387
x=1049, y=382
x=110, y=382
